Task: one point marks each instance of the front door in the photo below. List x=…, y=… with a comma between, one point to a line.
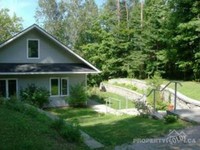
x=8, y=87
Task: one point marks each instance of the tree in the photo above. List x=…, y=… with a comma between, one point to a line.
x=9, y=26
x=185, y=21
x=66, y=20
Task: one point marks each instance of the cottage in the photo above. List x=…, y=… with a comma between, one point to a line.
x=33, y=56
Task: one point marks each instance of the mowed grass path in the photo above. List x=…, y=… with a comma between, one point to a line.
x=113, y=130
x=19, y=131
x=188, y=88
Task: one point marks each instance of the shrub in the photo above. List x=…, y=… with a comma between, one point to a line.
x=156, y=81
x=36, y=96
x=68, y=131
x=2, y=100
x=141, y=106
x=15, y=105
x=78, y=96
x=58, y=124
x=160, y=104
x=170, y=118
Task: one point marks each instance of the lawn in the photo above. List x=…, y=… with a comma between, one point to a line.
x=22, y=131
x=115, y=100
x=188, y=88
x=115, y=130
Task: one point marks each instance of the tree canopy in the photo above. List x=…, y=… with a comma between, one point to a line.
x=9, y=25
x=129, y=37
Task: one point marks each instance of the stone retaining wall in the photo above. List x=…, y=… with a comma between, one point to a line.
x=168, y=94
x=121, y=91
x=137, y=83
x=182, y=100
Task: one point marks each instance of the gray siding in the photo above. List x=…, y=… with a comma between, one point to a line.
x=50, y=52
x=43, y=81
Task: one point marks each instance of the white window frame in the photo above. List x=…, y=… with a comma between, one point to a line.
x=61, y=93
x=59, y=86
x=7, y=90
x=27, y=48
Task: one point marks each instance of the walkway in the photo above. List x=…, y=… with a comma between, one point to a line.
x=192, y=115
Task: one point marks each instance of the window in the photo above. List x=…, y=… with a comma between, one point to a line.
x=64, y=87
x=59, y=86
x=33, y=49
x=8, y=88
x=54, y=87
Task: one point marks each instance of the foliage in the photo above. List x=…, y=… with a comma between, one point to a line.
x=66, y=20
x=156, y=81
x=122, y=41
x=160, y=104
x=78, y=95
x=9, y=25
x=170, y=119
x=129, y=86
x=2, y=100
x=34, y=95
x=141, y=107
x=68, y=131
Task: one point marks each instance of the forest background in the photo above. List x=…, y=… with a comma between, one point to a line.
x=123, y=38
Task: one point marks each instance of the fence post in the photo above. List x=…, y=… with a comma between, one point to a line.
x=154, y=100
x=126, y=102
x=109, y=101
x=175, y=95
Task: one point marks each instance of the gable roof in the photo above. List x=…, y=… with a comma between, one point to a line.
x=35, y=26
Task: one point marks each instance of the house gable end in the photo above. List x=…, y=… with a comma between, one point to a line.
x=51, y=50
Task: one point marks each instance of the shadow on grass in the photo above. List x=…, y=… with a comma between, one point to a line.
x=115, y=130
x=125, y=129
x=99, y=99
x=71, y=113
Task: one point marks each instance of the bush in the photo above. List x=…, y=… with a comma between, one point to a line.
x=78, y=96
x=68, y=131
x=160, y=104
x=2, y=100
x=156, y=81
x=141, y=107
x=36, y=96
x=170, y=119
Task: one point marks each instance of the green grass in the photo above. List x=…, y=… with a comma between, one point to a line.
x=126, y=85
x=188, y=88
x=102, y=97
x=115, y=130
x=130, y=87
x=29, y=130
